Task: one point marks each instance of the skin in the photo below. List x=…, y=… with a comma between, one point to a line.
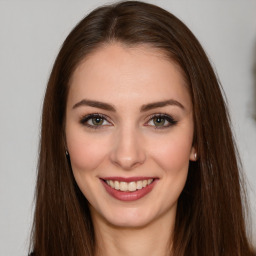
x=127, y=144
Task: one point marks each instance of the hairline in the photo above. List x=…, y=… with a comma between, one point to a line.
x=161, y=53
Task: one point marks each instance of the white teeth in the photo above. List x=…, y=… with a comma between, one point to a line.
x=112, y=184
x=123, y=186
x=139, y=184
x=117, y=185
x=129, y=186
x=150, y=181
x=132, y=186
x=144, y=183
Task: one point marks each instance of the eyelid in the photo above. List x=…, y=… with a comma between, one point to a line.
x=84, y=119
x=165, y=116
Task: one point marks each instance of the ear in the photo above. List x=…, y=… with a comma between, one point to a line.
x=193, y=154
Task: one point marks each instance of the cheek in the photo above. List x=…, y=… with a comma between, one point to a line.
x=172, y=156
x=172, y=153
x=86, y=152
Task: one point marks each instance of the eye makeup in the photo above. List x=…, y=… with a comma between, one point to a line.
x=161, y=121
x=95, y=121
x=157, y=121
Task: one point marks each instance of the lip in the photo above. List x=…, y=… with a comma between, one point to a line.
x=127, y=195
x=128, y=179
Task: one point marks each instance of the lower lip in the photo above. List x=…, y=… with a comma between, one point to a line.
x=127, y=195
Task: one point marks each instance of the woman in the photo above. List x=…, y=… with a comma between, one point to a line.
x=137, y=156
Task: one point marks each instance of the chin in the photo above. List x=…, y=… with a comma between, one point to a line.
x=129, y=220
x=133, y=216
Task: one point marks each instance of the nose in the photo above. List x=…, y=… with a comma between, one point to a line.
x=127, y=151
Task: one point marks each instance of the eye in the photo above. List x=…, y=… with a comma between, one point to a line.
x=95, y=121
x=159, y=121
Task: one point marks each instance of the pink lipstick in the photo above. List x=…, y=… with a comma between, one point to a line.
x=128, y=189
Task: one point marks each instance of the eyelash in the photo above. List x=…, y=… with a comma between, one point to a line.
x=171, y=121
x=85, y=119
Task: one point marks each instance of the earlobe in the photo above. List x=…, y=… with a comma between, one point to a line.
x=193, y=154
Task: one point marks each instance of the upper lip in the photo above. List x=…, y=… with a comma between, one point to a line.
x=128, y=179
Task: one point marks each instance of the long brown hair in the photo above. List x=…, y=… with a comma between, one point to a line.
x=210, y=217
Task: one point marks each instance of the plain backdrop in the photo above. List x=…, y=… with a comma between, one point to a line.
x=31, y=33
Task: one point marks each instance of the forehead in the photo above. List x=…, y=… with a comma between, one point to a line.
x=115, y=71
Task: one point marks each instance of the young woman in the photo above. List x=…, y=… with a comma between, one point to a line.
x=137, y=156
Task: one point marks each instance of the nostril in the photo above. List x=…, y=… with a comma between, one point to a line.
x=128, y=152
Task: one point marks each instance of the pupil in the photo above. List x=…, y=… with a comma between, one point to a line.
x=159, y=121
x=97, y=121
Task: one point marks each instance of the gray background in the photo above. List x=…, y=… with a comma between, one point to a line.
x=31, y=33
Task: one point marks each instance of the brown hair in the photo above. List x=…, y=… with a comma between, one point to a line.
x=210, y=217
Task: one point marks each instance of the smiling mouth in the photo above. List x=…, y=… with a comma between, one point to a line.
x=129, y=186
x=129, y=189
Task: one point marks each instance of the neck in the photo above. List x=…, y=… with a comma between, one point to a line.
x=153, y=239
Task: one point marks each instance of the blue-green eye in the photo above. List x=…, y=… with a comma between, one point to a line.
x=95, y=121
x=161, y=121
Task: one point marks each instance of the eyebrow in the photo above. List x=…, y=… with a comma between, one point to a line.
x=144, y=108
x=161, y=104
x=95, y=104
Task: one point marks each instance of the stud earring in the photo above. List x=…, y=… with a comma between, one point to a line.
x=67, y=156
x=195, y=156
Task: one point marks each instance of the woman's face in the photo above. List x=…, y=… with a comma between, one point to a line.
x=129, y=132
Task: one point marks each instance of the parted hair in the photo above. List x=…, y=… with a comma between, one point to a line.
x=210, y=217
